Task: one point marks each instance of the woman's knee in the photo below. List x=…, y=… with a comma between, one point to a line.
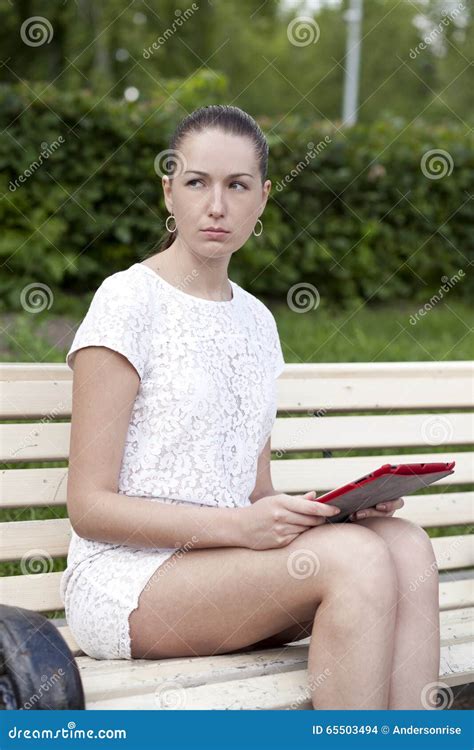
x=405, y=534
x=414, y=555
x=350, y=557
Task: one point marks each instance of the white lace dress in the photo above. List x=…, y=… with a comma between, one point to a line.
x=204, y=409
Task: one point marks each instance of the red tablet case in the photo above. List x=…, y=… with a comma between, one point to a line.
x=389, y=482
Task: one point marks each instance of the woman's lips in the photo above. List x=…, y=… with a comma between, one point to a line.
x=214, y=234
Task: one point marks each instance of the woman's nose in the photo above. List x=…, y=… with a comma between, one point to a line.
x=217, y=202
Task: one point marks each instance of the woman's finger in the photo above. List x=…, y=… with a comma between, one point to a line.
x=391, y=504
x=369, y=513
x=310, y=507
x=302, y=519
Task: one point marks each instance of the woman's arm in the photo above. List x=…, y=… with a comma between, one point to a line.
x=105, y=385
x=136, y=522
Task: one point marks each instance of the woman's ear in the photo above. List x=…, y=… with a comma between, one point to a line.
x=266, y=192
x=166, y=184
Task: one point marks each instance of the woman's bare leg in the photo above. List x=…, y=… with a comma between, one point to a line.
x=214, y=601
x=416, y=660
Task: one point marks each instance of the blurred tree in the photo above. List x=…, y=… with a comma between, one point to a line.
x=110, y=46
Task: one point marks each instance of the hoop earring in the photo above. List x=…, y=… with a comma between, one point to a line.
x=257, y=234
x=166, y=223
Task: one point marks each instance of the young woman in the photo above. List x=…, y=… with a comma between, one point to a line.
x=181, y=545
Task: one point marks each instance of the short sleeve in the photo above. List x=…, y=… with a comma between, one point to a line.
x=119, y=318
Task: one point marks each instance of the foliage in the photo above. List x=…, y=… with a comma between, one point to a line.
x=355, y=214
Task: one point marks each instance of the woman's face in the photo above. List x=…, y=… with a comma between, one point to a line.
x=217, y=185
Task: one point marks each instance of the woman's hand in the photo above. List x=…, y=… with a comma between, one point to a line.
x=386, y=508
x=275, y=520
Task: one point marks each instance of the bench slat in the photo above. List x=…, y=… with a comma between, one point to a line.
x=27, y=487
x=49, y=536
x=301, y=474
x=265, y=692
x=341, y=381
x=34, y=442
x=50, y=441
x=47, y=487
x=441, y=509
x=456, y=594
x=33, y=487
x=374, y=431
x=15, y=371
x=38, y=390
x=353, y=394
x=40, y=592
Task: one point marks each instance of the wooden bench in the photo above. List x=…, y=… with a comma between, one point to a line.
x=324, y=409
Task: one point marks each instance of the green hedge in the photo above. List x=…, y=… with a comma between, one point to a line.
x=358, y=218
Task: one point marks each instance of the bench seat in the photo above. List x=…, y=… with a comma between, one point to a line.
x=417, y=412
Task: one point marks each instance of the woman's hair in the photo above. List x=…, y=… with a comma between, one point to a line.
x=228, y=119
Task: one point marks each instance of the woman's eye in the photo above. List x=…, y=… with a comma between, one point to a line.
x=244, y=187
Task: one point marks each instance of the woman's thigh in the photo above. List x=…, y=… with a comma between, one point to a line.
x=220, y=600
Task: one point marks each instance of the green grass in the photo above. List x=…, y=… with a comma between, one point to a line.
x=376, y=334
x=365, y=334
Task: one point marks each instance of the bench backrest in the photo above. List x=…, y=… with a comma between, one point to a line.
x=349, y=418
